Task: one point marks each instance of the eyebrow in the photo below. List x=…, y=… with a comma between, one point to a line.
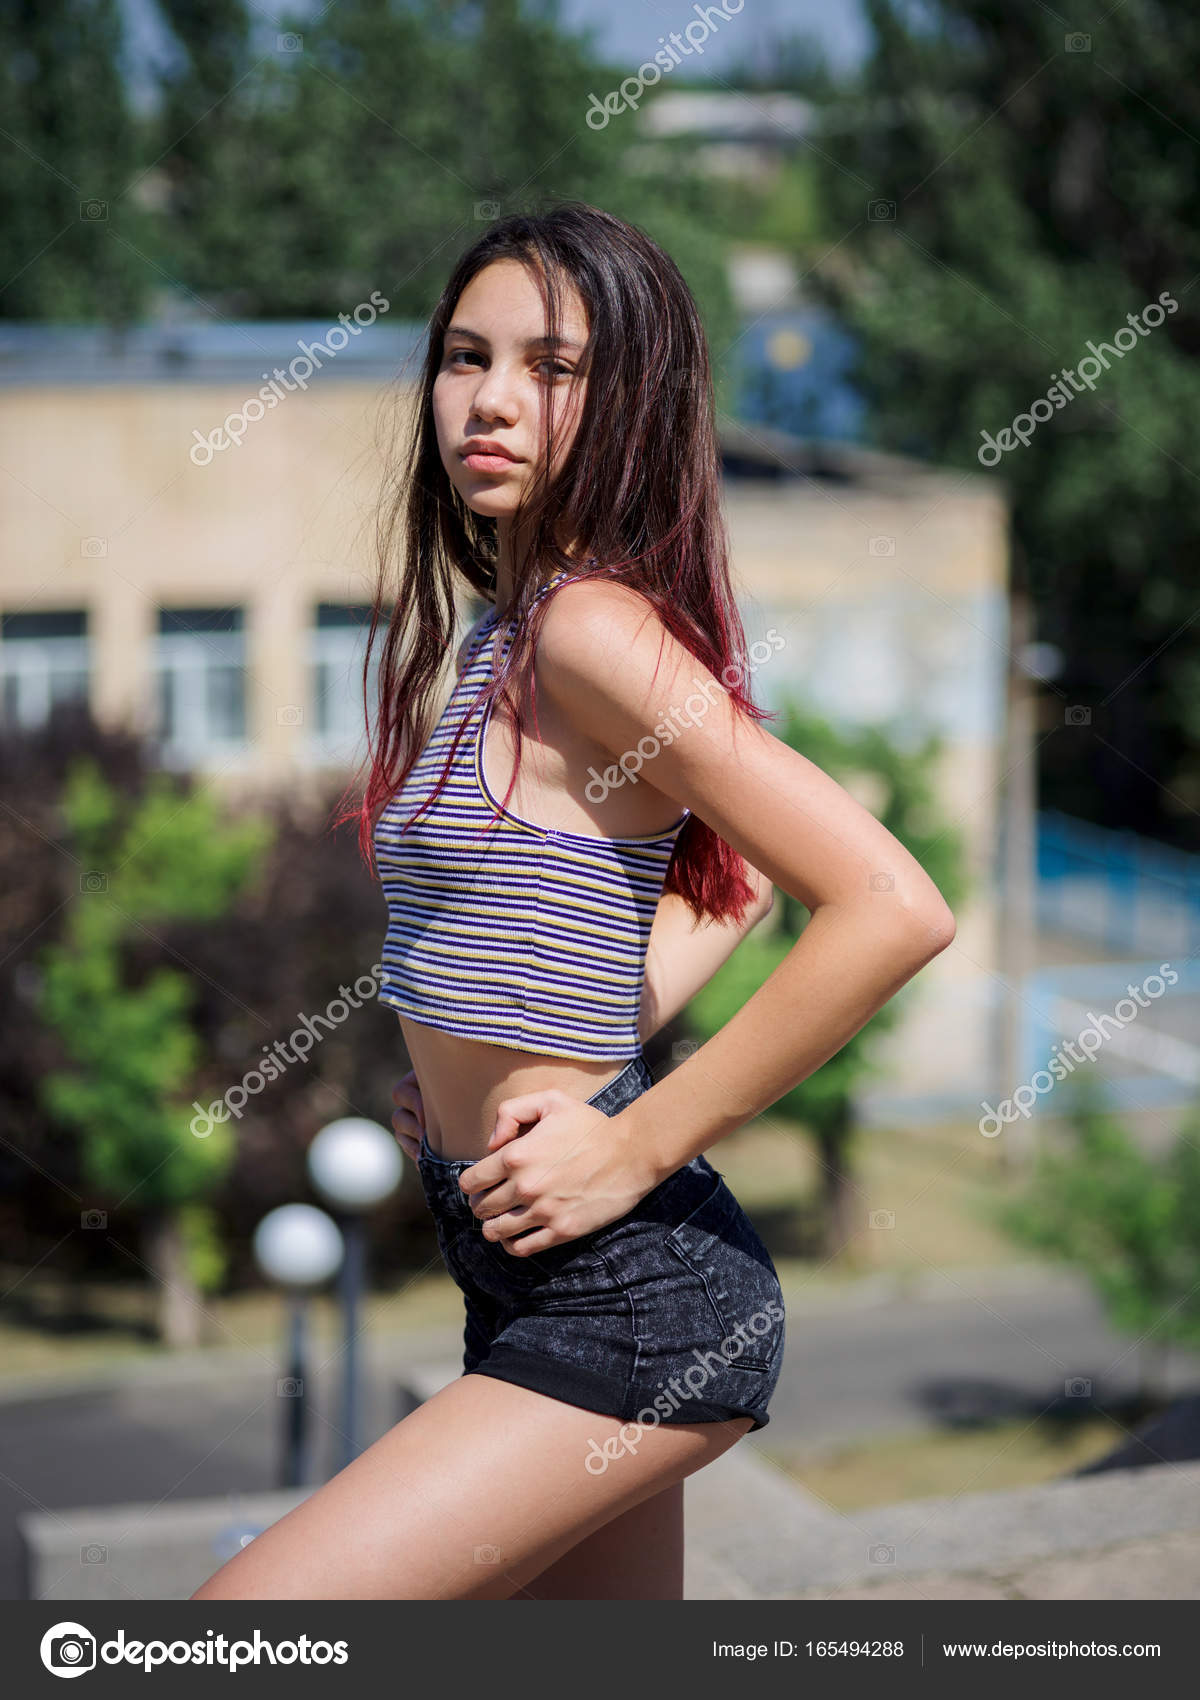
x=528, y=345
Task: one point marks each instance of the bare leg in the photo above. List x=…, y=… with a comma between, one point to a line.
x=480, y=1490
x=636, y=1556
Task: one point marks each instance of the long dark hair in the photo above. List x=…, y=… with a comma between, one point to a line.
x=637, y=500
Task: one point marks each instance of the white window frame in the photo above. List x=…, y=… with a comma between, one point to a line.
x=34, y=665
x=339, y=649
x=189, y=659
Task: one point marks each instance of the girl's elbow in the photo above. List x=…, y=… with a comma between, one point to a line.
x=936, y=927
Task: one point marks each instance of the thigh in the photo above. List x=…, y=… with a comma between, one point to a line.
x=480, y=1490
x=635, y=1556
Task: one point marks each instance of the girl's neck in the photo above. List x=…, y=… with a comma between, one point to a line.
x=505, y=581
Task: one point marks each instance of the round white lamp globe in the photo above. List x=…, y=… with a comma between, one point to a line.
x=355, y=1163
x=298, y=1245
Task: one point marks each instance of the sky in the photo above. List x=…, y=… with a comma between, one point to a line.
x=628, y=31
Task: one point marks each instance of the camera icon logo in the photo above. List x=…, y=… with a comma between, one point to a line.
x=93, y=1218
x=877, y=210
x=93, y=548
x=1077, y=43
x=881, y=546
x=1077, y=715
x=1078, y=1387
x=290, y=715
x=487, y=1555
x=882, y=1218
x=882, y=882
x=91, y=211
x=68, y=1649
x=487, y=209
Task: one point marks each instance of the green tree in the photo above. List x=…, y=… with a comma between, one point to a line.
x=68, y=230
x=128, y=1037
x=895, y=783
x=1129, y=1221
x=385, y=137
x=1000, y=187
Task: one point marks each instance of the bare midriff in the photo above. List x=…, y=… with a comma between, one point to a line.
x=462, y=1081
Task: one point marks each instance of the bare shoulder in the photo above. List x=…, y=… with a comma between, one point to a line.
x=606, y=636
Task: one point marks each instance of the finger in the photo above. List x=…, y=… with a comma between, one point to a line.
x=532, y=1243
x=410, y=1147
x=495, y=1202
x=408, y=1097
x=504, y=1226
x=514, y=1113
x=487, y=1172
x=409, y=1102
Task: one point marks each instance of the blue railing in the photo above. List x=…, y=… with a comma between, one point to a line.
x=1119, y=890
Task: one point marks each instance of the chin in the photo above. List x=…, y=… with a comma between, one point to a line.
x=488, y=506
x=491, y=504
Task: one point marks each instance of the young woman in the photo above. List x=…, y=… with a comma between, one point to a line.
x=548, y=913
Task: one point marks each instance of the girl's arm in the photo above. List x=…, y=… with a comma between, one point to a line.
x=683, y=955
x=876, y=918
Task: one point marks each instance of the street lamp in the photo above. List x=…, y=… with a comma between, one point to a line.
x=298, y=1247
x=355, y=1164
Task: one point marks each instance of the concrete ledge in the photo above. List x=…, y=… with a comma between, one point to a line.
x=985, y=1536
x=141, y=1551
x=753, y=1533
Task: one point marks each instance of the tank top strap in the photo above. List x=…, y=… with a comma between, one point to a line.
x=559, y=576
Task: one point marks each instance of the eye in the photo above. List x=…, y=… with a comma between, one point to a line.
x=455, y=355
x=553, y=368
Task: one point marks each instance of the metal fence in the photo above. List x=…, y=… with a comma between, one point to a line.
x=1124, y=893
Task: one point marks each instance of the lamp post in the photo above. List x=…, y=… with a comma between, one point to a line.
x=298, y=1247
x=355, y=1164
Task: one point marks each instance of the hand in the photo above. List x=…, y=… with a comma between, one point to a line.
x=408, y=1118
x=574, y=1170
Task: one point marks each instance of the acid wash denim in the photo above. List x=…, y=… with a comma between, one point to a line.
x=671, y=1313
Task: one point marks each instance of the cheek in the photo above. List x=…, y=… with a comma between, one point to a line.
x=440, y=406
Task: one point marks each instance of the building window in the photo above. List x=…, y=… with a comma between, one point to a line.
x=201, y=684
x=43, y=660
x=337, y=643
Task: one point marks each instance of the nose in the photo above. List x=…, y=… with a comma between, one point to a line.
x=495, y=396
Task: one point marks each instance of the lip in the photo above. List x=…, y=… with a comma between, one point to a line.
x=483, y=454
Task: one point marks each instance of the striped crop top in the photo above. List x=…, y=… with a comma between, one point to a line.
x=517, y=935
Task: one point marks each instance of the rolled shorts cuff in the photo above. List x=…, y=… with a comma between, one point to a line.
x=576, y=1384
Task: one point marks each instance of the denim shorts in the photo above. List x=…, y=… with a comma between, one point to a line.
x=671, y=1313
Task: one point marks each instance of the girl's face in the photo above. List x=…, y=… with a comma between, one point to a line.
x=498, y=378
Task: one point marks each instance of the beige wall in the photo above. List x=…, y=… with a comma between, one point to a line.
x=274, y=525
